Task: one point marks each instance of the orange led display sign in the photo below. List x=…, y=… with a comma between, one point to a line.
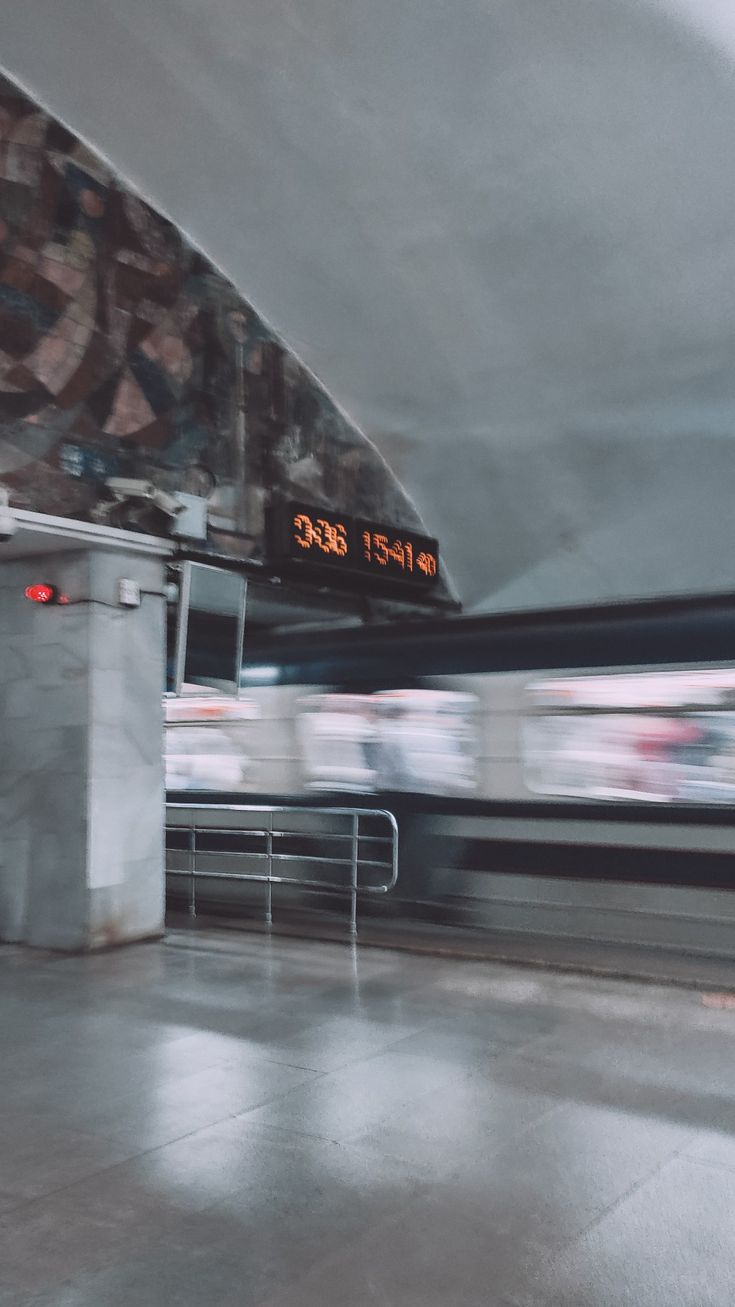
x=383, y=550
x=313, y=532
x=324, y=539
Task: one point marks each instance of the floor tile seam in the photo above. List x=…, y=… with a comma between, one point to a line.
x=376, y=1052
x=621, y=1199
x=296, y=1066
x=141, y=1095
x=352, y=1140
x=516, y=1050
x=422, y=1186
x=509, y=1056
x=103, y=1171
x=107, y=1170
x=408, y=1103
x=101, y=1132
x=709, y=1163
x=508, y=1144
x=547, y=1057
x=133, y=1157
x=405, y=1103
x=347, y=1244
x=16, y=1201
x=287, y=1131
x=265, y=1061
x=502, y=1045
x=520, y=1057
x=547, y=1256
x=622, y=1027
x=675, y=1096
x=266, y=1102
x=205, y=1209
x=364, y=1057
x=220, y=1063
x=453, y=1074
x=641, y=1112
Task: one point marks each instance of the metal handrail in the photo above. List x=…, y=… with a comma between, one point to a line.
x=268, y=834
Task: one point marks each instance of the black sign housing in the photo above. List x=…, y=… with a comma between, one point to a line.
x=318, y=539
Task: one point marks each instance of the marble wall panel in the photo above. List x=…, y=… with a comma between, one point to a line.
x=118, y=913
x=81, y=742
x=56, y=915
x=14, y=860
x=126, y=781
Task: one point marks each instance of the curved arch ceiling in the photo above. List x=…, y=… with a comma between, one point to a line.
x=501, y=232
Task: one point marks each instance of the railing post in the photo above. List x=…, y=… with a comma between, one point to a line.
x=354, y=868
x=269, y=882
x=192, y=869
x=351, y=859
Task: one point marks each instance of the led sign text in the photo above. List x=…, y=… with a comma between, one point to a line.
x=330, y=537
x=323, y=539
x=379, y=549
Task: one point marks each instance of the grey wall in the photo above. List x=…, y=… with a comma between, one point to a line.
x=499, y=230
x=81, y=773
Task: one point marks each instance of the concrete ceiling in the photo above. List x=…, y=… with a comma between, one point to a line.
x=501, y=232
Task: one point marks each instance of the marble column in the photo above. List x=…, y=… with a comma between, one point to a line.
x=81, y=752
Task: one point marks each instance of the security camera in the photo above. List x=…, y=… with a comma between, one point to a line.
x=167, y=503
x=128, y=488
x=8, y=524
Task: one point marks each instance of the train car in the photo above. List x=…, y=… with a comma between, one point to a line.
x=567, y=775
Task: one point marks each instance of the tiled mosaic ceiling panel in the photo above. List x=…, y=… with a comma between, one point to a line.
x=124, y=353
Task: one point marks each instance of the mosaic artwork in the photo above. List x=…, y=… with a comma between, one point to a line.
x=123, y=352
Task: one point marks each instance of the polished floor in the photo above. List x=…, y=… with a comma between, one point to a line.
x=224, y=1119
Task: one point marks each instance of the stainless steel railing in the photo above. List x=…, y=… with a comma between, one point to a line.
x=185, y=817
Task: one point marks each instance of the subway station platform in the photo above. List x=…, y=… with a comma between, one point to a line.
x=236, y=1120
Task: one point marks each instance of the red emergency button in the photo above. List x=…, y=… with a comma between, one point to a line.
x=44, y=593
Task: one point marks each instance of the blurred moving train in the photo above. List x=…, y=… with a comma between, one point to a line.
x=568, y=774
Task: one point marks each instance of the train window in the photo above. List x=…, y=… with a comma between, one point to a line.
x=653, y=736
x=422, y=741
x=208, y=741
